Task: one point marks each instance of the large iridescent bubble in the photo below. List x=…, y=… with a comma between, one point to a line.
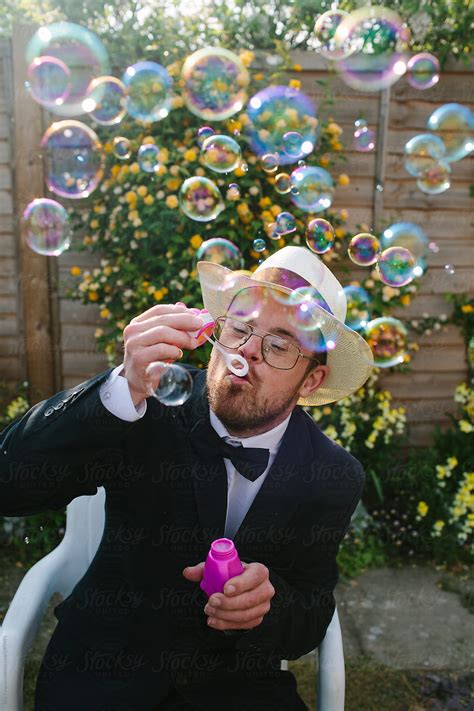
x=395, y=266
x=275, y=112
x=320, y=235
x=363, y=139
x=80, y=50
x=359, y=307
x=221, y=153
x=364, y=249
x=47, y=227
x=387, y=338
x=214, y=83
x=411, y=237
x=220, y=251
x=48, y=81
x=74, y=159
x=148, y=87
x=423, y=152
x=454, y=124
x=324, y=32
x=380, y=42
x=436, y=179
x=312, y=189
x=200, y=199
x=423, y=70
x=106, y=100
x=148, y=158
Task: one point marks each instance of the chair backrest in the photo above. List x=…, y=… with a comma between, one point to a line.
x=85, y=518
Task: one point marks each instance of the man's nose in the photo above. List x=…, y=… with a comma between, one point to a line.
x=252, y=349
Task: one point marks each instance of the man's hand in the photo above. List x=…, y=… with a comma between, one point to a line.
x=243, y=607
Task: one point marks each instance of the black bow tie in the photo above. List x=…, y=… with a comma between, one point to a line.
x=251, y=462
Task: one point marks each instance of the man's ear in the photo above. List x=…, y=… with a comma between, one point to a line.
x=314, y=380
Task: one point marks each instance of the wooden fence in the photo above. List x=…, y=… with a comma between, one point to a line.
x=48, y=339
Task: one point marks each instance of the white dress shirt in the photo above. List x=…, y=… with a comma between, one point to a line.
x=116, y=397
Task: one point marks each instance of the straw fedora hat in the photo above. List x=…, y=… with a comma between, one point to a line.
x=348, y=354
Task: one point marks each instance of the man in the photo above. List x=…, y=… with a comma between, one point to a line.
x=239, y=459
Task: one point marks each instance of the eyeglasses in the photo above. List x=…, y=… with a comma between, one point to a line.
x=276, y=351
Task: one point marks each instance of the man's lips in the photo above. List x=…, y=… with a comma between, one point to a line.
x=237, y=378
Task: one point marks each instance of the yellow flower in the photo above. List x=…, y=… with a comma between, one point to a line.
x=148, y=139
x=326, y=410
x=171, y=201
x=196, y=241
x=134, y=168
x=275, y=210
x=158, y=295
x=94, y=224
x=190, y=155
x=131, y=196
x=259, y=76
x=93, y=296
x=339, y=232
x=336, y=145
x=242, y=209
x=465, y=426
x=422, y=508
x=247, y=58
x=173, y=183
x=75, y=271
x=452, y=462
x=107, y=270
x=297, y=67
x=405, y=299
x=334, y=129
x=294, y=84
x=438, y=525
x=344, y=179
x=344, y=214
x=98, y=332
x=104, y=313
x=238, y=172
x=177, y=102
x=467, y=308
x=264, y=201
x=142, y=190
x=149, y=200
x=163, y=155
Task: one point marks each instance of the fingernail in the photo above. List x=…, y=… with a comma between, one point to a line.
x=229, y=589
x=211, y=622
x=215, y=602
x=180, y=303
x=209, y=610
x=180, y=353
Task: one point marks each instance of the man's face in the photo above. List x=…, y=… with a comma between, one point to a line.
x=266, y=396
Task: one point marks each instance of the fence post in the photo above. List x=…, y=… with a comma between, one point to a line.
x=381, y=150
x=34, y=270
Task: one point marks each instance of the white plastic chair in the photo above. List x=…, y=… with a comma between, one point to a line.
x=60, y=570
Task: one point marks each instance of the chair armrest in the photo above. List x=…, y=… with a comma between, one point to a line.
x=22, y=621
x=331, y=670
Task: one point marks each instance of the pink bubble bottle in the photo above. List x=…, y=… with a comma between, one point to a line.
x=222, y=563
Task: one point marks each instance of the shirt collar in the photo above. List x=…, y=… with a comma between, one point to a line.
x=267, y=440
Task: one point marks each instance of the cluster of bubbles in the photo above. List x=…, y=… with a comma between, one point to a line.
x=399, y=255
x=427, y=156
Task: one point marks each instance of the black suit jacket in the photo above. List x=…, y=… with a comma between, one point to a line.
x=164, y=507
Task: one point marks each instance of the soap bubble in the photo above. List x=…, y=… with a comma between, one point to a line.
x=220, y=251
x=320, y=235
x=454, y=124
x=324, y=32
x=387, y=338
x=148, y=158
x=380, y=41
x=423, y=70
x=215, y=82
x=121, y=147
x=200, y=199
x=293, y=144
x=360, y=123
x=80, y=50
x=175, y=386
x=285, y=223
x=435, y=179
x=203, y=133
x=74, y=159
x=220, y=153
x=273, y=113
x=259, y=245
x=48, y=81
x=410, y=236
x=105, y=100
x=233, y=192
x=282, y=183
x=309, y=301
x=423, y=152
x=449, y=269
x=359, y=307
x=312, y=189
x=148, y=86
x=270, y=162
x=364, y=249
x=363, y=139
x=47, y=227
x=396, y=266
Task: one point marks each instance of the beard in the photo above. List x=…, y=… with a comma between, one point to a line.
x=243, y=409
